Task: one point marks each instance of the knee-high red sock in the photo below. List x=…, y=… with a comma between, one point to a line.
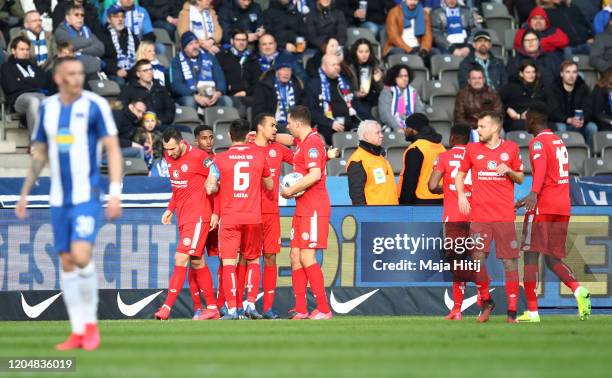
x=241, y=276
x=530, y=283
x=317, y=285
x=566, y=275
x=481, y=279
x=269, y=286
x=220, y=294
x=299, y=283
x=194, y=290
x=253, y=278
x=206, y=285
x=229, y=285
x=176, y=284
x=512, y=289
x=458, y=290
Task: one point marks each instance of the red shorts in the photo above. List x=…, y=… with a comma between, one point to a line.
x=504, y=234
x=309, y=232
x=212, y=242
x=246, y=238
x=458, y=232
x=193, y=238
x=271, y=233
x=545, y=233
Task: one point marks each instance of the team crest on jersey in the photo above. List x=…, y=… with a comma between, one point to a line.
x=175, y=174
x=537, y=146
x=504, y=156
x=491, y=164
x=479, y=157
x=272, y=153
x=187, y=241
x=313, y=153
x=184, y=168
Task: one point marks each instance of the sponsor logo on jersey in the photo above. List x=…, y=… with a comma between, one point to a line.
x=479, y=157
x=175, y=174
x=491, y=164
x=64, y=139
x=504, y=156
x=313, y=153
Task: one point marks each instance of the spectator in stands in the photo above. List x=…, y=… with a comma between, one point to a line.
x=24, y=83
x=601, y=19
x=120, y=45
x=128, y=121
x=330, y=98
x=88, y=48
x=452, y=25
x=278, y=91
x=148, y=90
x=329, y=46
x=551, y=37
x=523, y=8
x=367, y=73
x=244, y=15
x=269, y=52
x=370, y=176
x=137, y=19
x=568, y=94
x=148, y=136
x=43, y=48
x=197, y=77
x=601, y=51
x=569, y=18
x=493, y=67
x=164, y=14
x=65, y=50
x=199, y=17
x=146, y=50
x=398, y=99
x=602, y=102
x=475, y=98
x=408, y=30
x=90, y=11
x=588, y=8
x=372, y=17
x=419, y=159
x=325, y=22
x=283, y=20
x=521, y=91
x=548, y=63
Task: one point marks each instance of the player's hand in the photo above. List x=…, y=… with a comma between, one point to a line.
x=286, y=193
x=167, y=217
x=520, y=203
x=338, y=127
x=214, y=221
x=503, y=169
x=113, y=207
x=464, y=205
x=530, y=201
x=333, y=153
x=21, y=210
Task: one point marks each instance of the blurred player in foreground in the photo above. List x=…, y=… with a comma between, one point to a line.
x=456, y=224
x=495, y=167
x=189, y=168
x=71, y=126
x=548, y=214
x=310, y=225
x=241, y=171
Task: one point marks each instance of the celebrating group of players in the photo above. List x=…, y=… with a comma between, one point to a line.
x=477, y=180
x=228, y=204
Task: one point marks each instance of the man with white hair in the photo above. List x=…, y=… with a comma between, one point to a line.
x=370, y=176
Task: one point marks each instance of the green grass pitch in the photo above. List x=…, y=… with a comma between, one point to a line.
x=560, y=346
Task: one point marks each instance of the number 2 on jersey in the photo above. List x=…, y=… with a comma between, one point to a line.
x=241, y=177
x=563, y=160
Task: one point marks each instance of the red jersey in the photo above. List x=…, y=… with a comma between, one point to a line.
x=310, y=153
x=492, y=194
x=188, y=175
x=448, y=164
x=276, y=154
x=241, y=169
x=550, y=170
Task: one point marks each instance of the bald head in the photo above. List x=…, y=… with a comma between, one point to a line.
x=370, y=131
x=331, y=65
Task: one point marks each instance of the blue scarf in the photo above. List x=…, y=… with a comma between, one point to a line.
x=203, y=69
x=40, y=46
x=242, y=56
x=134, y=20
x=610, y=100
x=453, y=21
x=84, y=32
x=265, y=63
x=345, y=91
x=418, y=14
x=285, y=100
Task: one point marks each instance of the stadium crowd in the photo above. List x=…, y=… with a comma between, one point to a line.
x=346, y=60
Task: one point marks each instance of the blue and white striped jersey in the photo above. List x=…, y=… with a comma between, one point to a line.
x=73, y=134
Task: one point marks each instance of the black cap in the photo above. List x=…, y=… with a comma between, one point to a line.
x=417, y=121
x=482, y=34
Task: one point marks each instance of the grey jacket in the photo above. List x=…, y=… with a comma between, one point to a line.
x=601, y=52
x=385, y=111
x=438, y=26
x=91, y=49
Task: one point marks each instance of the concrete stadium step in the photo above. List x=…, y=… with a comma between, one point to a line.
x=21, y=172
x=7, y=147
x=21, y=161
x=21, y=137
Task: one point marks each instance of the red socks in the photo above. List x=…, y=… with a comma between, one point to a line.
x=299, y=283
x=194, y=290
x=269, y=286
x=204, y=280
x=176, y=284
x=458, y=290
x=530, y=283
x=317, y=285
x=220, y=294
x=229, y=285
x=565, y=275
x=252, y=282
x=512, y=289
x=241, y=275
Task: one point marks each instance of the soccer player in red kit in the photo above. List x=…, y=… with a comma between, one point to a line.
x=456, y=224
x=548, y=214
x=189, y=168
x=310, y=225
x=241, y=170
x=495, y=167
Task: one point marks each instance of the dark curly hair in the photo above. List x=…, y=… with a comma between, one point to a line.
x=394, y=72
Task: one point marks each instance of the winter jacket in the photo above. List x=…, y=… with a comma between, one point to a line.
x=283, y=22
x=146, y=28
x=180, y=88
x=160, y=9
x=141, y=137
x=395, y=28
x=385, y=111
x=601, y=52
x=14, y=83
x=376, y=11
x=519, y=95
x=239, y=77
x=91, y=14
x=264, y=94
x=90, y=49
x=184, y=23
x=470, y=102
x=157, y=99
x=571, y=21
x=51, y=48
x=551, y=39
x=497, y=72
x=602, y=112
x=110, y=53
x=562, y=105
x=127, y=124
x=547, y=63
x=231, y=17
x=439, y=26
x=322, y=24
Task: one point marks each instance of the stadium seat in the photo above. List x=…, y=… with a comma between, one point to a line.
x=353, y=34
x=437, y=87
x=163, y=60
x=394, y=139
x=222, y=126
x=218, y=113
x=263, y=4
x=443, y=130
x=187, y=116
x=336, y=167
x=509, y=36
x=188, y=137
x=588, y=73
x=219, y=149
x=395, y=156
x=347, y=152
x=221, y=141
x=162, y=36
x=134, y=167
x=571, y=138
x=438, y=118
x=522, y=138
x=105, y=88
x=497, y=17
x=443, y=102
x=602, y=142
x=345, y=139
x=577, y=150
x=382, y=37
x=445, y=67
x=598, y=166
x=375, y=113
x=524, y=154
x=306, y=57
x=420, y=73
x=14, y=31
